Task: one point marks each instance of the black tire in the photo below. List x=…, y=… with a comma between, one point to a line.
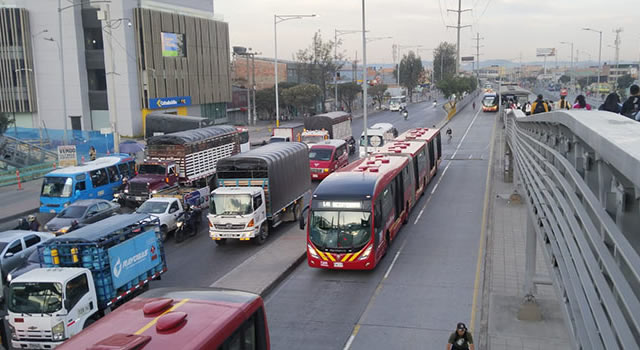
x=164, y=233
x=222, y=241
x=89, y=322
x=179, y=235
x=262, y=236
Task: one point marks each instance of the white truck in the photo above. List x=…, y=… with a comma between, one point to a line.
x=84, y=275
x=331, y=125
x=290, y=132
x=258, y=190
x=166, y=209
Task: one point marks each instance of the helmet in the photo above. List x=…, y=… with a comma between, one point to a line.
x=563, y=92
x=31, y=218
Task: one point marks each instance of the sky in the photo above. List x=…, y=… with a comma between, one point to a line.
x=511, y=28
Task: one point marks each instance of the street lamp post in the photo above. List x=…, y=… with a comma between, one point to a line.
x=364, y=80
x=337, y=33
x=277, y=19
x=570, y=43
x=599, y=55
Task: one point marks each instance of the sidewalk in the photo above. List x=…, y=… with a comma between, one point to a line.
x=504, y=276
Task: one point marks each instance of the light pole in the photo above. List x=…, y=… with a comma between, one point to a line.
x=337, y=33
x=277, y=19
x=599, y=55
x=364, y=81
x=569, y=43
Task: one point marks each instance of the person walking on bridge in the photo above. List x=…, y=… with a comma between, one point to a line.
x=581, y=103
x=539, y=105
x=563, y=103
x=460, y=339
x=611, y=103
x=631, y=106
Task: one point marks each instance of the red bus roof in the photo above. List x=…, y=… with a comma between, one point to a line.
x=403, y=147
x=168, y=318
x=425, y=134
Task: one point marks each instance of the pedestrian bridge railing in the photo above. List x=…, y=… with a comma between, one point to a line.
x=580, y=174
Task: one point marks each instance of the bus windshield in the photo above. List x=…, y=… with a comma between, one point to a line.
x=53, y=186
x=340, y=229
x=35, y=297
x=231, y=204
x=490, y=100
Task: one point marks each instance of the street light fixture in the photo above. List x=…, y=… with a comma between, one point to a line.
x=337, y=33
x=599, y=54
x=277, y=19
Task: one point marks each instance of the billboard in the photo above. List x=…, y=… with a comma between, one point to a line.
x=173, y=45
x=467, y=59
x=545, y=52
x=169, y=102
x=134, y=257
x=67, y=156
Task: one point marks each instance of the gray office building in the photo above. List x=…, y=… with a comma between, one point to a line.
x=90, y=65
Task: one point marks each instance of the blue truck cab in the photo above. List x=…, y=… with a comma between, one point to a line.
x=83, y=276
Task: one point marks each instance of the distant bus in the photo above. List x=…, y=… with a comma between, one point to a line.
x=490, y=102
x=177, y=318
x=94, y=179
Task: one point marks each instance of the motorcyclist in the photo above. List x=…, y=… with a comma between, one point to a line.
x=191, y=221
x=405, y=113
x=34, y=225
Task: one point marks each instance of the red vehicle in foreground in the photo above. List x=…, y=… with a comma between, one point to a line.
x=185, y=319
x=326, y=157
x=434, y=144
x=416, y=151
x=357, y=212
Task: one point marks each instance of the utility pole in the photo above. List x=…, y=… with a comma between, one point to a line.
x=459, y=11
x=253, y=87
x=477, y=39
x=617, y=44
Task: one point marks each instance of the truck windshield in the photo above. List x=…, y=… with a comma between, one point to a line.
x=152, y=169
x=322, y=154
x=340, y=229
x=309, y=140
x=54, y=186
x=231, y=204
x=152, y=207
x=35, y=297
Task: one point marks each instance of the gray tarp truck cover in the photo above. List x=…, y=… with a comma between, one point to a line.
x=191, y=136
x=326, y=121
x=169, y=123
x=285, y=164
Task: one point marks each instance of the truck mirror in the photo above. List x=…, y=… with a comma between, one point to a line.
x=301, y=219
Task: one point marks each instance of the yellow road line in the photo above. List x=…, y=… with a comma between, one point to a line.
x=485, y=214
x=152, y=322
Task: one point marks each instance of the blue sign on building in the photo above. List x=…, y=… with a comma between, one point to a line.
x=169, y=102
x=134, y=257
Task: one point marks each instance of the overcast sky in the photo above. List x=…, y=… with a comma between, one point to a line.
x=509, y=27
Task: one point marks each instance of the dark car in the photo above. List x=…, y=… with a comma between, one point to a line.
x=81, y=213
x=32, y=262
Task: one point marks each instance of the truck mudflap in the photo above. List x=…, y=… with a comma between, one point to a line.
x=135, y=288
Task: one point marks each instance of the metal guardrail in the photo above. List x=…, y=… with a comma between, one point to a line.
x=19, y=153
x=581, y=176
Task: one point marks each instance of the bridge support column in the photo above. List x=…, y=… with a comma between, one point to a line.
x=529, y=309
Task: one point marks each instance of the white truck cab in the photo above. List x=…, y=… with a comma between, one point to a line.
x=49, y=305
x=166, y=209
x=237, y=213
x=311, y=137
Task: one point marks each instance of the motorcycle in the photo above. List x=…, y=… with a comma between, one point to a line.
x=405, y=114
x=188, y=223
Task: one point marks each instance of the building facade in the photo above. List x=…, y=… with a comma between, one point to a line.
x=92, y=65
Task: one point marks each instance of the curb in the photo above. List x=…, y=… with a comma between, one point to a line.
x=269, y=288
x=18, y=215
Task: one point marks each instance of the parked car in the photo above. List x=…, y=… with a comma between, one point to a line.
x=81, y=213
x=16, y=246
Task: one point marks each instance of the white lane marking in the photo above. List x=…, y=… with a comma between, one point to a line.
x=391, y=266
x=470, y=156
x=348, y=344
x=419, y=215
x=435, y=187
x=465, y=134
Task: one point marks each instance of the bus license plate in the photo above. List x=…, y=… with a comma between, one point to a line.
x=338, y=264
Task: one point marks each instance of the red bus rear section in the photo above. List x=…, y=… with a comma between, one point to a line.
x=434, y=144
x=186, y=319
x=356, y=212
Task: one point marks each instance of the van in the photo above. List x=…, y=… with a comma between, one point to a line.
x=378, y=134
x=326, y=157
x=397, y=103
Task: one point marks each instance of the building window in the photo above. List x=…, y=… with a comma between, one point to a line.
x=215, y=111
x=93, y=39
x=97, y=79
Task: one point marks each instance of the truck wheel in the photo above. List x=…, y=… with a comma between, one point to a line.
x=89, y=322
x=297, y=211
x=164, y=233
x=262, y=236
x=222, y=241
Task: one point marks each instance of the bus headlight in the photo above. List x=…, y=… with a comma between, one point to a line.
x=57, y=331
x=366, y=253
x=312, y=251
x=9, y=278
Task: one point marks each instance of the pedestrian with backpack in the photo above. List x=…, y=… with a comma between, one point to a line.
x=563, y=103
x=539, y=105
x=631, y=107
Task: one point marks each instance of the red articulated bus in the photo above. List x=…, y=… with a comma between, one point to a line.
x=417, y=152
x=185, y=319
x=356, y=212
x=434, y=144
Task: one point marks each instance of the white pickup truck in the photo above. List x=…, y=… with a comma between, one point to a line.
x=166, y=209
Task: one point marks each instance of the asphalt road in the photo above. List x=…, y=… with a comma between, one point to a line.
x=424, y=285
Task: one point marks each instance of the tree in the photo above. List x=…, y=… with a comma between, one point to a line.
x=457, y=86
x=318, y=65
x=5, y=121
x=377, y=93
x=410, y=71
x=625, y=81
x=265, y=99
x=302, y=97
x=565, y=79
x=347, y=93
x=583, y=81
x=444, y=61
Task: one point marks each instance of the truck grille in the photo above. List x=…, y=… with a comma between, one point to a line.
x=229, y=226
x=137, y=188
x=39, y=335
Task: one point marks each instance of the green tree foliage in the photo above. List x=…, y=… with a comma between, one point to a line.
x=317, y=64
x=625, y=81
x=266, y=100
x=302, y=97
x=444, y=61
x=347, y=93
x=457, y=86
x=565, y=79
x=410, y=72
x=6, y=120
x=377, y=93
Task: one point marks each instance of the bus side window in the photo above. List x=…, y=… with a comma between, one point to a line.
x=249, y=336
x=113, y=174
x=81, y=186
x=124, y=170
x=99, y=178
x=439, y=146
